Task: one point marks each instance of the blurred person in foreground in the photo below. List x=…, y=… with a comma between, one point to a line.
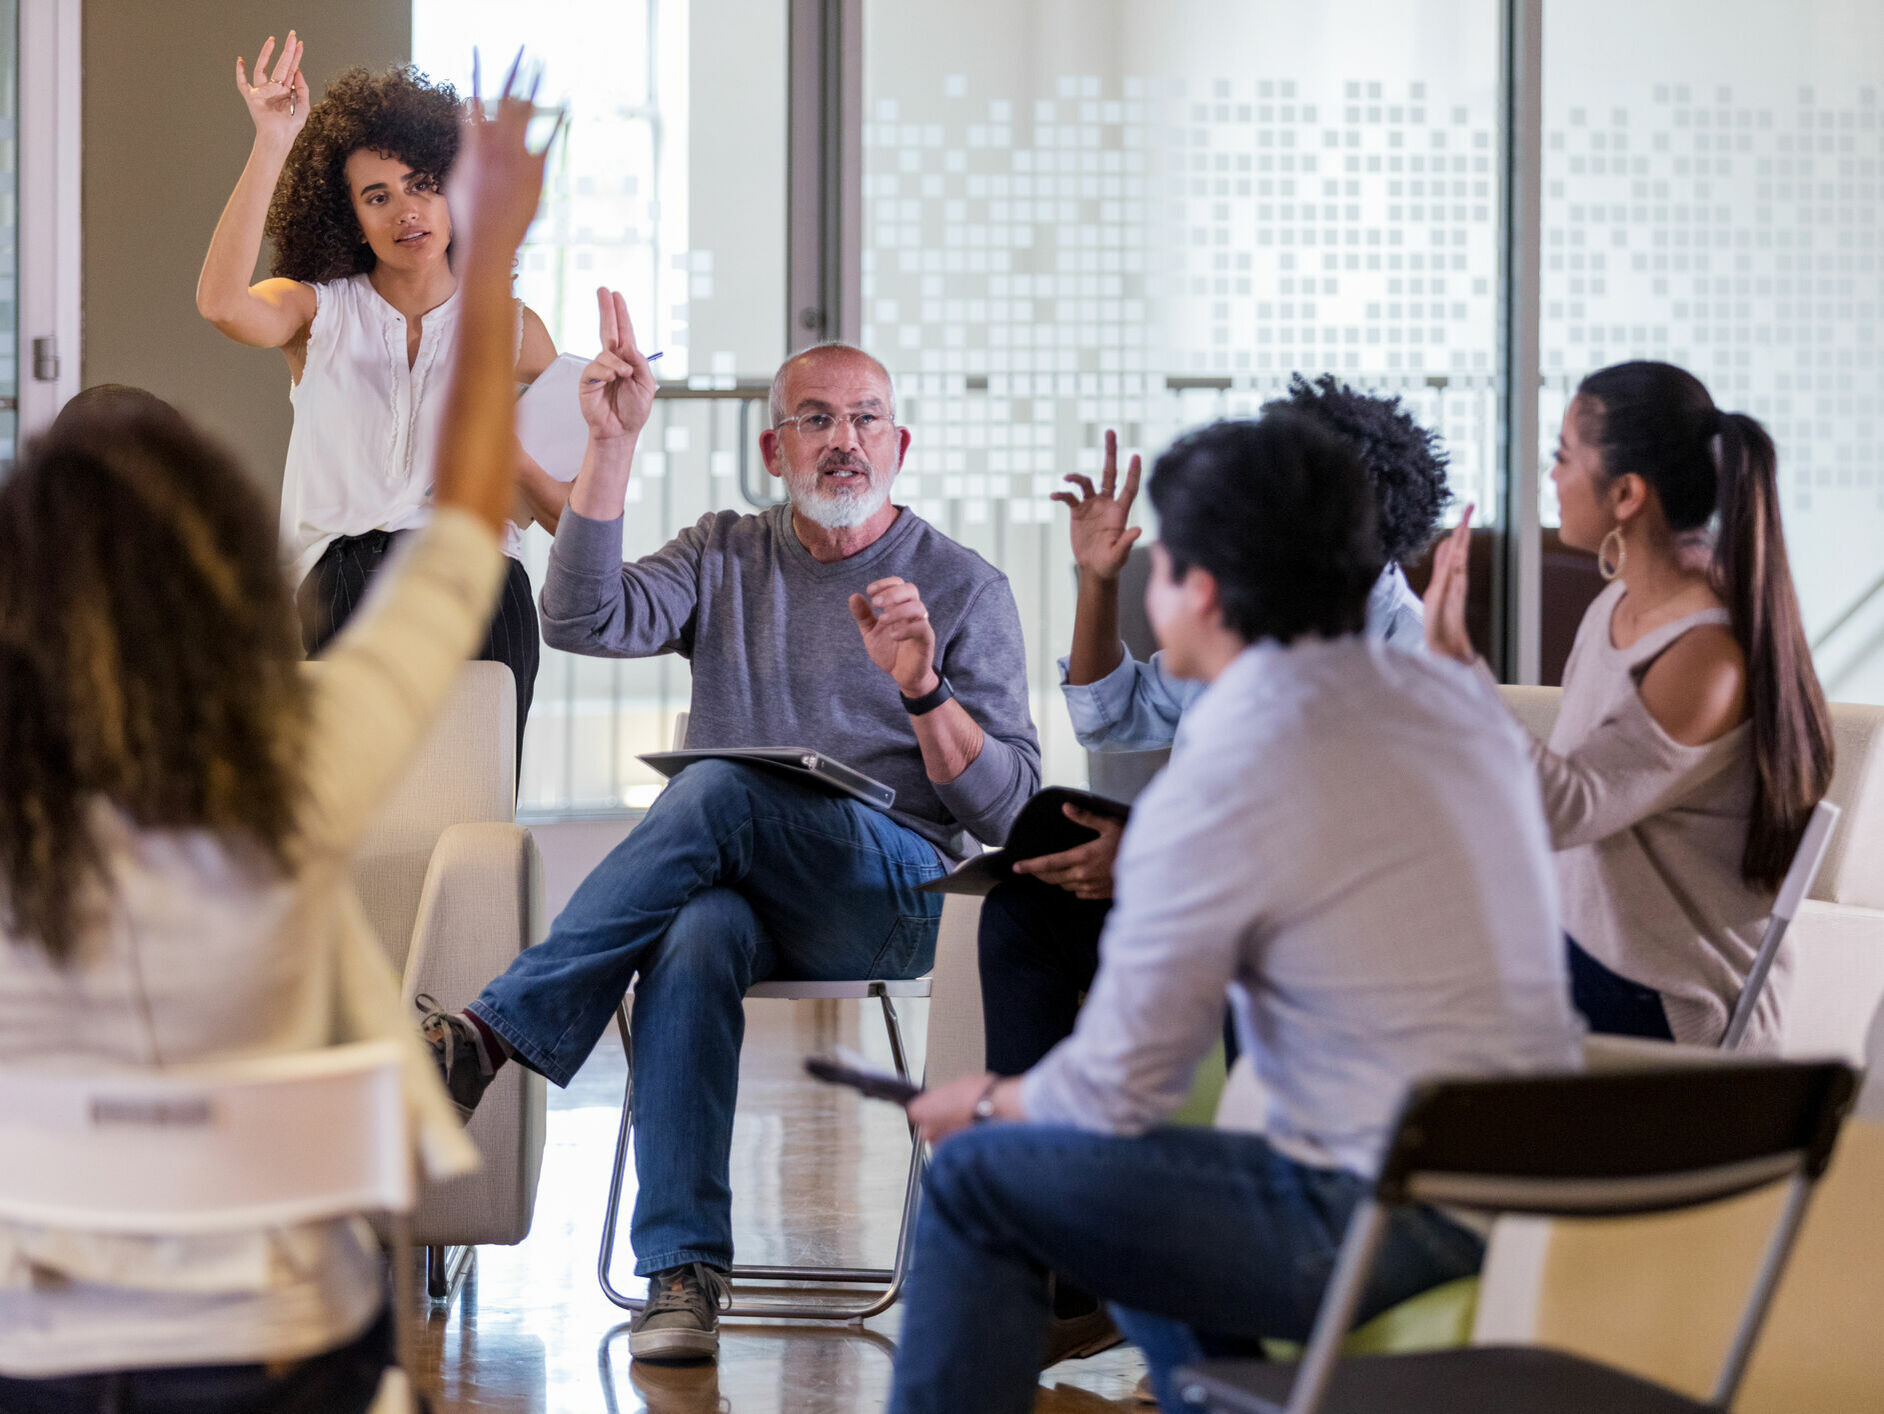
x=178, y=804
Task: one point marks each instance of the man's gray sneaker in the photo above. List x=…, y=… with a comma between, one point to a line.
x=458, y=1052
x=682, y=1318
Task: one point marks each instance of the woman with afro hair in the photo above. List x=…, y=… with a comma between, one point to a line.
x=364, y=306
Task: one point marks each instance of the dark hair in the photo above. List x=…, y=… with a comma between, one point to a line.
x=1656, y=421
x=1406, y=463
x=1281, y=514
x=149, y=657
x=114, y=400
x=401, y=114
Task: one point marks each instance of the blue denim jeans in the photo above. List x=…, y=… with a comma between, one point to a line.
x=1203, y=1241
x=738, y=874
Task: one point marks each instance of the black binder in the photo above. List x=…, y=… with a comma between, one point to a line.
x=1040, y=828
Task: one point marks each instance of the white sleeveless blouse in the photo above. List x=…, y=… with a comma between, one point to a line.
x=365, y=423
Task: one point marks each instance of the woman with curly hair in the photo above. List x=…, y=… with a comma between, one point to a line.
x=179, y=802
x=364, y=306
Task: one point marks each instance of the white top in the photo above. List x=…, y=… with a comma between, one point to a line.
x=365, y=432
x=1650, y=834
x=1349, y=840
x=209, y=954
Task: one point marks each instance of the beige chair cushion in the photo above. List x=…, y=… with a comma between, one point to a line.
x=1853, y=872
x=464, y=773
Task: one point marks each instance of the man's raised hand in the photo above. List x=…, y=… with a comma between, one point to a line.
x=1102, y=543
x=618, y=386
x=277, y=101
x=897, y=634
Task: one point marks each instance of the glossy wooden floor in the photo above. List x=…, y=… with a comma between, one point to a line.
x=817, y=1176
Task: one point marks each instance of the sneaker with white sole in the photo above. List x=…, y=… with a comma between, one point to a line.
x=458, y=1052
x=682, y=1318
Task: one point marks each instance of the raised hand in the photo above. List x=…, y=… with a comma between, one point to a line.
x=618, y=387
x=897, y=634
x=277, y=101
x=496, y=183
x=1101, y=542
x=1445, y=595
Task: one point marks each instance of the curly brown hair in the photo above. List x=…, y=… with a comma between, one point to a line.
x=149, y=657
x=401, y=114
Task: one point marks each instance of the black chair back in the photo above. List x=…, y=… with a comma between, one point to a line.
x=1615, y=1141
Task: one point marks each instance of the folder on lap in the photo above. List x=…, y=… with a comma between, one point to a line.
x=1040, y=828
x=798, y=761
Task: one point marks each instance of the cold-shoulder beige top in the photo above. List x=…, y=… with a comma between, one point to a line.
x=1649, y=835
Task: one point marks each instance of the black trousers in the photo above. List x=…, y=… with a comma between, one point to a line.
x=1610, y=1002
x=342, y=1381
x=1039, y=951
x=335, y=586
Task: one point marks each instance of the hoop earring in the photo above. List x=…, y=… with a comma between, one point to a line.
x=1607, y=568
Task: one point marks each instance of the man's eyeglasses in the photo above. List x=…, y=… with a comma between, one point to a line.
x=822, y=426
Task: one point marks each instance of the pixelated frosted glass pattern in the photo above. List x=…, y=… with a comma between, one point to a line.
x=636, y=200
x=1160, y=241
x=1713, y=194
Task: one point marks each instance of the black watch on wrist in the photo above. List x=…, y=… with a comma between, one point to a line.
x=930, y=700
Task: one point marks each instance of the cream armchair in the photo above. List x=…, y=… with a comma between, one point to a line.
x=453, y=886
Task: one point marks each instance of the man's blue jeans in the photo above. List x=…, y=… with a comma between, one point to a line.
x=1204, y=1241
x=738, y=874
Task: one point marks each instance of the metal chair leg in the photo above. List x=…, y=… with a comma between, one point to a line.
x=612, y=1214
x=890, y=1279
x=445, y=1271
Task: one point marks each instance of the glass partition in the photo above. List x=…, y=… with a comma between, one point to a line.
x=669, y=186
x=1713, y=196
x=1149, y=213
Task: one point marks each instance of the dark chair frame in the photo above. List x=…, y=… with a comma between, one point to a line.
x=1564, y=1145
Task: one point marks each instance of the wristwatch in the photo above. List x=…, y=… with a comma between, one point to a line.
x=984, y=1107
x=930, y=700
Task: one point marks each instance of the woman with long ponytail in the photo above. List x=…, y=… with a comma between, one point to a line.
x=1693, y=740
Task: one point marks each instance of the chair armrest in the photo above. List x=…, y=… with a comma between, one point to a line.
x=482, y=904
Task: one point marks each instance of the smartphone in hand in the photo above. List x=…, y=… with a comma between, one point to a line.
x=876, y=1084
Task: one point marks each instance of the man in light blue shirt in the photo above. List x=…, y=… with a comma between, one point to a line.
x=1137, y=706
x=1348, y=843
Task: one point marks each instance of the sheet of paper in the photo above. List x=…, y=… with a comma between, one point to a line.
x=549, y=418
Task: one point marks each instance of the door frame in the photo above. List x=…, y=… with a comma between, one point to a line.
x=51, y=47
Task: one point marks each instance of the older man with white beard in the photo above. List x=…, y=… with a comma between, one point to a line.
x=839, y=622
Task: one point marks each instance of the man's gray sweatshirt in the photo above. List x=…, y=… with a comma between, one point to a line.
x=778, y=661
